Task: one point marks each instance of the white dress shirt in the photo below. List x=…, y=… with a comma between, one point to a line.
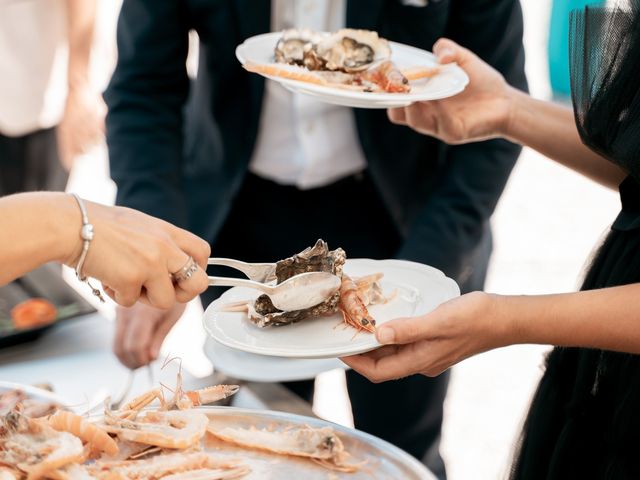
x=301, y=141
x=32, y=64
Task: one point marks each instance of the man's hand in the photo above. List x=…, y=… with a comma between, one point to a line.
x=82, y=125
x=140, y=331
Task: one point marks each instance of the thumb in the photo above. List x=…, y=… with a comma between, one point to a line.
x=449, y=51
x=402, y=330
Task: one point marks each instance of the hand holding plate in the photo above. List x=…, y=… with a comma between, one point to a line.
x=431, y=343
x=482, y=111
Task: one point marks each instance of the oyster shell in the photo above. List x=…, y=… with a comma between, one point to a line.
x=313, y=259
x=347, y=50
x=351, y=50
x=297, y=47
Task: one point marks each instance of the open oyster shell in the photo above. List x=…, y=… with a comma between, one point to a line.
x=313, y=259
x=347, y=50
x=351, y=50
x=297, y=47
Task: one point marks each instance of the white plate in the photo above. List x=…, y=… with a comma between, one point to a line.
x=450, y=81
x=419, y=288
x=35, y=393
x=251, y=367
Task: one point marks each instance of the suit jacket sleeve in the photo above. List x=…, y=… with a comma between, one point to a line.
x=146, y=97
x=455, y=218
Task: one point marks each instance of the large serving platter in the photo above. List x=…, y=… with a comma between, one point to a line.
x=418, y=290
x=379, y=459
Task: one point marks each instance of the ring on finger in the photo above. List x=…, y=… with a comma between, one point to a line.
x=186, y=272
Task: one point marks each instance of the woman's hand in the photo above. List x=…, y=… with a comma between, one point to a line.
x=432, y=343
x=480, y=112
x=134, y=255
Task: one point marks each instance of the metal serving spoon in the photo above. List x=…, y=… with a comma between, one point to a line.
x=297, y=293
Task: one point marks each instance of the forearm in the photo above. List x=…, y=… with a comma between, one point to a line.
x=607, y=319
x=550, y=129
x=81, y=16
x=37, y=228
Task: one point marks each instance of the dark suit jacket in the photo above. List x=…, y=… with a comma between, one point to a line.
x=187, y=167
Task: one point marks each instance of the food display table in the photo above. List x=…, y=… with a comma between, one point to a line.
x=76, y=360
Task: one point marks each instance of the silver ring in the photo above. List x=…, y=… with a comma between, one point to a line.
x=186, y=272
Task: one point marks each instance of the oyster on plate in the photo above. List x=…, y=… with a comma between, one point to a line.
x=313, y=259
x=351, y=50
x=347, y=50
x=297, y=47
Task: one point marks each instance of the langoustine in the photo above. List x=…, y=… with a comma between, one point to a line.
x=95, y=437
x=169, y=441
x=172, y=465
x=322, y=445
x=33, y=447
x=176, y=429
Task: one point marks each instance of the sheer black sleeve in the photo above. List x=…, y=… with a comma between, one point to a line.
x=605, y=80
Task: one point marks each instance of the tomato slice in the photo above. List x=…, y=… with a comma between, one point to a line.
x=34, y=312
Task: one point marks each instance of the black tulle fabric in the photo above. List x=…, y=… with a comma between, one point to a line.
x=584, y=421
x=605, y=80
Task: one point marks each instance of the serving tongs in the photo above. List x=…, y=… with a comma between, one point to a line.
x=258, y=272
x=299, y=292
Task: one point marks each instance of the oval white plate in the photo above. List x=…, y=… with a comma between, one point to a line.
x=251, y=367
x=419, y=288
x=450, y=81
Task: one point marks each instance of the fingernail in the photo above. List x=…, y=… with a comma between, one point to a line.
x=445, y=52
x=386, y=335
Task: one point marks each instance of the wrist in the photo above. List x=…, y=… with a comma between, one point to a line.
x=504, y=322
x=77, y=84
x=67, y=223
x=515, y=100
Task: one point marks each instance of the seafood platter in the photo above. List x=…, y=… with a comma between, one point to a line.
x=350, y=67
x=170, y=434
x=371, y=292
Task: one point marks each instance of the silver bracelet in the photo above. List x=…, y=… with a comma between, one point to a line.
x=86, y=233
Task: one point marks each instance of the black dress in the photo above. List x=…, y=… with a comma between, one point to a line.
x=584, y=422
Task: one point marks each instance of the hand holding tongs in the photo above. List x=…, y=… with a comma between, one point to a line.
x=297, y=293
